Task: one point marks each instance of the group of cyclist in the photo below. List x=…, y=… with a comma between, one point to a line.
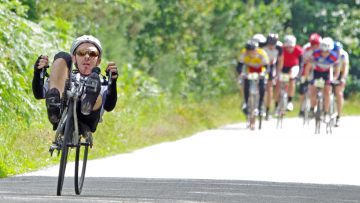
x=269, y=57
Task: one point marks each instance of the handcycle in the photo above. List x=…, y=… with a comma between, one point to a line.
x=68, y=131
x=284, y=79
x=253, y=102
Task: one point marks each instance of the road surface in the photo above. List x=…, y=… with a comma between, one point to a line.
x=228, y=164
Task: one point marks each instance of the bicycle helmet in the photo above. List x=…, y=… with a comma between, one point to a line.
x=272, y=38
x=86, y=39
x=251, y=45
x=337, y=46
x=289, y=40
x=260, y=38
x=327, y=44
x=315, y=38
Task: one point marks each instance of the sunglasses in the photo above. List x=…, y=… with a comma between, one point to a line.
x=92, y=54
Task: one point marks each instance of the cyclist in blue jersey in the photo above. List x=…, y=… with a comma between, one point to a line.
x=323, y=63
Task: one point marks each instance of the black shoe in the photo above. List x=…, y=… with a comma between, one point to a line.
x=245, y=109
x=337, y=122
x=91, y=93
x=301, y=114
x=53, y=105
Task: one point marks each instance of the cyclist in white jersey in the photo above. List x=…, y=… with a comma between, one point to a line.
x=309, y=48
x=273, y=48
x=343, y=65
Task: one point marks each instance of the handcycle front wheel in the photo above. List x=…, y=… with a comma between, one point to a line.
x=69, y=126
x=80, y=170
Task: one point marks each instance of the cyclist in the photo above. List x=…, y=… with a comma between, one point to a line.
x=274, y=50
x=292, y=59
x=309, y=48
x=254, y=60
x=323, y=60
x=343, y=64
x=85, y=54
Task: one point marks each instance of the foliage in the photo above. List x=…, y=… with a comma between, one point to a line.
x=189, y=45
x=337, y=19
x=21, y=41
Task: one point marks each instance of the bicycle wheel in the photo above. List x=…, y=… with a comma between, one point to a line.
x=69, y=126
x=318, y=117
x=306, y=119
x=80, y=171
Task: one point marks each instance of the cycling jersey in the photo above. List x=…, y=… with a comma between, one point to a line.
x=273, y=54
x=292, y=58
x=307, y=55
x=324, y=64
x=343, y=60
x=256, y=63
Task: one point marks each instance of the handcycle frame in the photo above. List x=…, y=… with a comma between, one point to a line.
x=67, y=134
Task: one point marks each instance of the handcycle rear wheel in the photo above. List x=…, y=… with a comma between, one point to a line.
x=80, y=171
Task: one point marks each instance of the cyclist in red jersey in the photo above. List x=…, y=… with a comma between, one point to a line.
x=309, y=48
x=292, y=59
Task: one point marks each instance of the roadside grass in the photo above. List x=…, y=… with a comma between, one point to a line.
x=135, y=123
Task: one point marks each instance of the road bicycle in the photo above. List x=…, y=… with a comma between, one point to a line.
x=253, y=102
x=68, y=131
x=306, y=105
x=332, y=111
x=284, y=79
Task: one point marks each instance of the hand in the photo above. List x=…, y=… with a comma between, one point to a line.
x=42, y=62
x=111, y=67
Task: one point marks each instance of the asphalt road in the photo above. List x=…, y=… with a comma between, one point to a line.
x=229, y=164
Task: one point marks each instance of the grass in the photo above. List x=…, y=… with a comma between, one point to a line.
x=135, y=123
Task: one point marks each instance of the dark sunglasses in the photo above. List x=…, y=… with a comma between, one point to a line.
x=88, y=52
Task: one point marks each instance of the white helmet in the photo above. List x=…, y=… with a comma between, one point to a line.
x=260, y=38
x=289, y=40
x=327, y=44
x=85, y=39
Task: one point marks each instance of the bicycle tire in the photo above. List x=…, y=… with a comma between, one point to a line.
x=306, y=119
x=65, y=149
x=318, y=116
x=79, y=180
x=260, y=120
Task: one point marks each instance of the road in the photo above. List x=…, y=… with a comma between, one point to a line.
x=228, y=164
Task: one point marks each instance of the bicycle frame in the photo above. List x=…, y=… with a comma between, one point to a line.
x=69, y=128
x=319, y=84
x=284, y=79
x=253, y=102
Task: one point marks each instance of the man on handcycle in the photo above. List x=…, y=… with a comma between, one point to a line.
x=323, y=61
x=255, y=60
x=85, y=54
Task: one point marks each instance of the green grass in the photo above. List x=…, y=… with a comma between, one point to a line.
x=135, y=123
